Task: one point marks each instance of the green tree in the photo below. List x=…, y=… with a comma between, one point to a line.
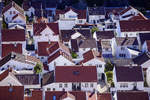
x=108, y=66
x=109, y=75
x=95, y=29
x=74, y=55
x=38, y=68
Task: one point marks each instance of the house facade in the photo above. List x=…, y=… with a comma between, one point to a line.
x=11, y=10
x=94, y=58
x=128, y=78
x=18, y=62
x=69, y=17
x=45, y=32
x=125, y=47
x=72, y=81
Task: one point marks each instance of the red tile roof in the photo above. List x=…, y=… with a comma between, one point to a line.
x=57, y=54
x=104, y=96
x=91, y=96
x=140, y=16
x=58, y=45
x=46, y=48
x=43, y=48
x=36, y=95
x=81, y=14
x=78, y=95
x=39, y=27
x=75, y=74
x=7, y=48
x=132, y=95
x=42, y=20
x=13, y=4
x=129, y=74
x=91, y=54
x=22, y=16
x=135, y=25
x=9, y=35
x=66, y=95
x=17, y=93
x=126, y=10
x=4, y=74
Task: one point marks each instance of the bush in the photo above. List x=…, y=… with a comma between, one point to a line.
x=108, y=66
x=109, y=75
x=74, y=55
x=38, y=68
x=95, y=29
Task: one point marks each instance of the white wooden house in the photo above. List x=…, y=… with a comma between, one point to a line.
x=11, y=10
x=77, y=78
x=128, y=78
x=45, y=32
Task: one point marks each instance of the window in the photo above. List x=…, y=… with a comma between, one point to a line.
x=100, y=66
x=86, y=84
x=80, y=21
x=123, y=85
x=48, y=89
x=83, y=49
x=91, y=85
x=122, y=48
x=66, y=85
x=10, y=12
x=60, y=85
x=122, y=55
x=106, y=49
x=66, y=44
x=53, y=89
x=46, y=34
x=97, y=21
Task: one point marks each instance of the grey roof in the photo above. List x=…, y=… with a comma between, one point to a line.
x=96, y=10
x=141, y=58
x=105, y=34
x=125, y=62
x=28, y=79
x=48, y=78
x=66, y=34
x=126, y=41
x=87, y=43
x=74, y=45
x=143, y=37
